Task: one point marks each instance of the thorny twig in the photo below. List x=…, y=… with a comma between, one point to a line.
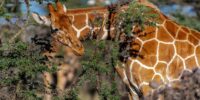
x=19, y=32
x=2, y=2
x=22, y=28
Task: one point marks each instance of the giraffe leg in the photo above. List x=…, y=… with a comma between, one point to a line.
x=62, y=76
x=61, y=80
x=48, y=81
x=133, y=96
x=65, y=75
x=131, y=93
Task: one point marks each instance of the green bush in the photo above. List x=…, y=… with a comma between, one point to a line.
x=98, y=67
x=20, y=68
x=136, y=14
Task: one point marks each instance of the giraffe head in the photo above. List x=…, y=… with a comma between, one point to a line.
x=61, y=27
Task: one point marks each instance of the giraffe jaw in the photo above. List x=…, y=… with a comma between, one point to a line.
x=68, y=40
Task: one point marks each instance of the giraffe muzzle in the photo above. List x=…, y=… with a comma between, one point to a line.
x=72, y=43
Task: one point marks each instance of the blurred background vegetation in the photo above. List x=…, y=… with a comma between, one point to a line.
x=20, y=64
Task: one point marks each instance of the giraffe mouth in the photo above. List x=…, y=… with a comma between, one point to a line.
x=77, y=47
x=70, y=42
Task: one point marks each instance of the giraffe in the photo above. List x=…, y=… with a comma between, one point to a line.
x=166, y=50
x=63, y=44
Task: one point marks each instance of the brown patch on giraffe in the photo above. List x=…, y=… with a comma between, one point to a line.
x=146, y=34
x=166, y=52
x=146, y=89
x=175, y=68
x=84, y=34
x=191, y=63
x=162, y=18
x=193, y=40
x=182, y=35
x=184, y=49
x=149, y=53
x=158, y=80
x=135, y=73
x=163, y=35
x=198, y=54
x=185, y=29
x=95, y=16
x=161, y=69
x=92, y=17
x=195, y=33
x=171, y=27
x=79, y=21
x=135, y=46
x=146, y=75
x=150, y=29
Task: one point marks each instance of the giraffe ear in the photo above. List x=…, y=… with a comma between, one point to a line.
x=60, y=7
x=41, y=19
x=64, y=8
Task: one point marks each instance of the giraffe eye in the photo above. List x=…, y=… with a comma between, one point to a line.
x=54, y=30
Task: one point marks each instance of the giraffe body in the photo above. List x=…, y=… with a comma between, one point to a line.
x=166, y=50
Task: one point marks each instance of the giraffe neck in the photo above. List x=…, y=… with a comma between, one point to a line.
x=83, y=22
